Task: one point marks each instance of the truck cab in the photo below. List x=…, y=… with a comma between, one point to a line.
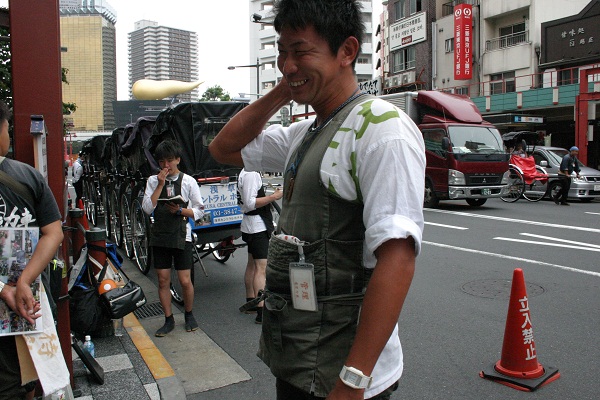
x=465, y=154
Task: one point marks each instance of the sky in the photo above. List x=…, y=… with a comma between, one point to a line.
x=222, y=28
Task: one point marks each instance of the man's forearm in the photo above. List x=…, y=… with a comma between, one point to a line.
x=383, y=302
x=246, y=125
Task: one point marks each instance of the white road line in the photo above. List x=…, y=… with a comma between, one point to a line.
x=580, y=244
x=566, y=246
x=514, y=220
x=593, y=213
x=446, y=226
x=565, y=268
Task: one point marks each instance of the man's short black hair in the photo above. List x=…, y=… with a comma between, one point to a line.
x=5, y=113
x=167, y=149
x=333, y=20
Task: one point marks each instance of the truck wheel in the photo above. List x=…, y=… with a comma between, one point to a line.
x=476, y=202
x=430, y=200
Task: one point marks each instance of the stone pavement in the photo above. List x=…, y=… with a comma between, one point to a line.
x=138, y=365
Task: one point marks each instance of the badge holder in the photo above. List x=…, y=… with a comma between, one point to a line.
x=302, y=283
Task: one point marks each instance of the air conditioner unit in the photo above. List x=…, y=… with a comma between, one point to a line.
x=388, y=82
x=395, y=81
x=408, y=77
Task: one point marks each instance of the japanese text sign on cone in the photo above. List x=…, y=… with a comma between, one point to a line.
x=519, y=367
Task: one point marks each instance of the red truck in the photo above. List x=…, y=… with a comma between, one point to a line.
x=465, y=154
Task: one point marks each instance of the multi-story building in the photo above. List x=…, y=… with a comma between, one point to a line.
x=87, y=35
x=263, y=51
x=162, y=53
x=526, y=57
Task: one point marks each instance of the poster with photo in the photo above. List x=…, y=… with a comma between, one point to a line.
x=16, y=247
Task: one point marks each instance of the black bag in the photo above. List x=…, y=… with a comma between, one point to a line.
x=121, y=301
x=86, y=311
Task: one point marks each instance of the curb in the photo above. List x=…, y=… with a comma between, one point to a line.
x=168, y=384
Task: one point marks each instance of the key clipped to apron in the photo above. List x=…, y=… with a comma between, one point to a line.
x=302, y=282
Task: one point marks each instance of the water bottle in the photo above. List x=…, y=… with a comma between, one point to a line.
x=88, y=346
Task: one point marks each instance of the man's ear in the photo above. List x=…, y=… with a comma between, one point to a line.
x=348, y=51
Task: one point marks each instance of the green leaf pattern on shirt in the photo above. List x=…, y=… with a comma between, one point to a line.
x=368, y=119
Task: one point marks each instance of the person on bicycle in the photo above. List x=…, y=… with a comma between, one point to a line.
x=568, y=164
x=171, y=234
x=256, y=227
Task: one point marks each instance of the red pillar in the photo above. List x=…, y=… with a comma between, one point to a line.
x=37, y=90
x=581, y=111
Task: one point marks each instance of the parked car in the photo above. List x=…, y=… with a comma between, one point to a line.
x=586, y=188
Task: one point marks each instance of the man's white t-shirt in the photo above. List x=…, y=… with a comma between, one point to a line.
x=377, y=156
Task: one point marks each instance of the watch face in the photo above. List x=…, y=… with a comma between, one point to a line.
x=351, y=377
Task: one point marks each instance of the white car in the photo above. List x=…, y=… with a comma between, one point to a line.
x=585, y=188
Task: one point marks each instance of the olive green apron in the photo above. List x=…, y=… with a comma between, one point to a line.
x=169, y=230
x=305, y=348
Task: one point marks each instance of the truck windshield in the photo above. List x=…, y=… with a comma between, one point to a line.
x=475, y=139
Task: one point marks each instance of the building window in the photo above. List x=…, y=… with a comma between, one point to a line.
x=449, y=44
x=415, y=6
x=363, y=60
x=512, y=35
x=404, y=59
x=502, y=83
x=400, y=9
x=567, y=76
x=462, y=90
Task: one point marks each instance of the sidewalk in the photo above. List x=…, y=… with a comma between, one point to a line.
x=133, y=367
x=138, y=365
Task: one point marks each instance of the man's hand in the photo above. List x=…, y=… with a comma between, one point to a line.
x=278, y=193
x=25, y=305
x=162, y=176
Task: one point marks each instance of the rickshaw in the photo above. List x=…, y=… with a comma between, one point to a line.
x=526, y=179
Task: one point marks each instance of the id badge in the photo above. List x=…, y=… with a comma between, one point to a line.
x=170, y=189
x=302, y=283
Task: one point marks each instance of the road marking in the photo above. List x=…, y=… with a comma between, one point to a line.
x=593, y=213
x=579, y=244
x=565, y=268
x=566, y=246
x=513, y=220
x=447, y=226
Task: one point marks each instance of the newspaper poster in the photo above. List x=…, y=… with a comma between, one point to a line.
x=16, y=247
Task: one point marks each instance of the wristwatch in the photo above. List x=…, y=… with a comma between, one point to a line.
x=179, y=211
x=355, y=378
x=1, y=286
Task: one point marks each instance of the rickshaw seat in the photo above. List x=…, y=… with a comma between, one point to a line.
x=527, y=165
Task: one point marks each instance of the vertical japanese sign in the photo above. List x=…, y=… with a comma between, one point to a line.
x=463, y=21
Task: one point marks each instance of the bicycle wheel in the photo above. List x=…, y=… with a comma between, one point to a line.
x=221, y=252
x=516, y=186
x=126, y=223
x=106, y=210
x=537, y=189
x=116, y=234
x=139, y=236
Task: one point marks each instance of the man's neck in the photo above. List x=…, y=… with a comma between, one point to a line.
x=323, y=112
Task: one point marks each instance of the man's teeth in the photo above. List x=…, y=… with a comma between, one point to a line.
x=299, y=83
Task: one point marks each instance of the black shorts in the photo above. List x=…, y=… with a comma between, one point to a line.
x=165, y=257
x=258, y=244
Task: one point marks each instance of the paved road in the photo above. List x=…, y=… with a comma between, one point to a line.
x=453, y=322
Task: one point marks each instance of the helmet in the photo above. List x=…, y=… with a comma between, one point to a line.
x=106, y=285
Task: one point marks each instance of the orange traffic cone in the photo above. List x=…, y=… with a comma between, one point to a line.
x=519, y=367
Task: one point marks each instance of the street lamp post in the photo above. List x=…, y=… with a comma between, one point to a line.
x=257, y=66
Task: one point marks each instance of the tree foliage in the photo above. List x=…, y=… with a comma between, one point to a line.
x=5, y=69
x=215, y=93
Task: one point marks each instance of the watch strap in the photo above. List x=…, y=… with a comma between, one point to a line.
x=355, y=378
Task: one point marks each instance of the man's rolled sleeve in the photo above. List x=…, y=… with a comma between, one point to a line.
x=393, y=227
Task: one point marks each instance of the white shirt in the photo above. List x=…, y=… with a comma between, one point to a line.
x=249, y=183
x=390, y=171
x=77, y=171
x=190, y=191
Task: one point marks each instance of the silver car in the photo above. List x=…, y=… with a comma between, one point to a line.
x=585, y=188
